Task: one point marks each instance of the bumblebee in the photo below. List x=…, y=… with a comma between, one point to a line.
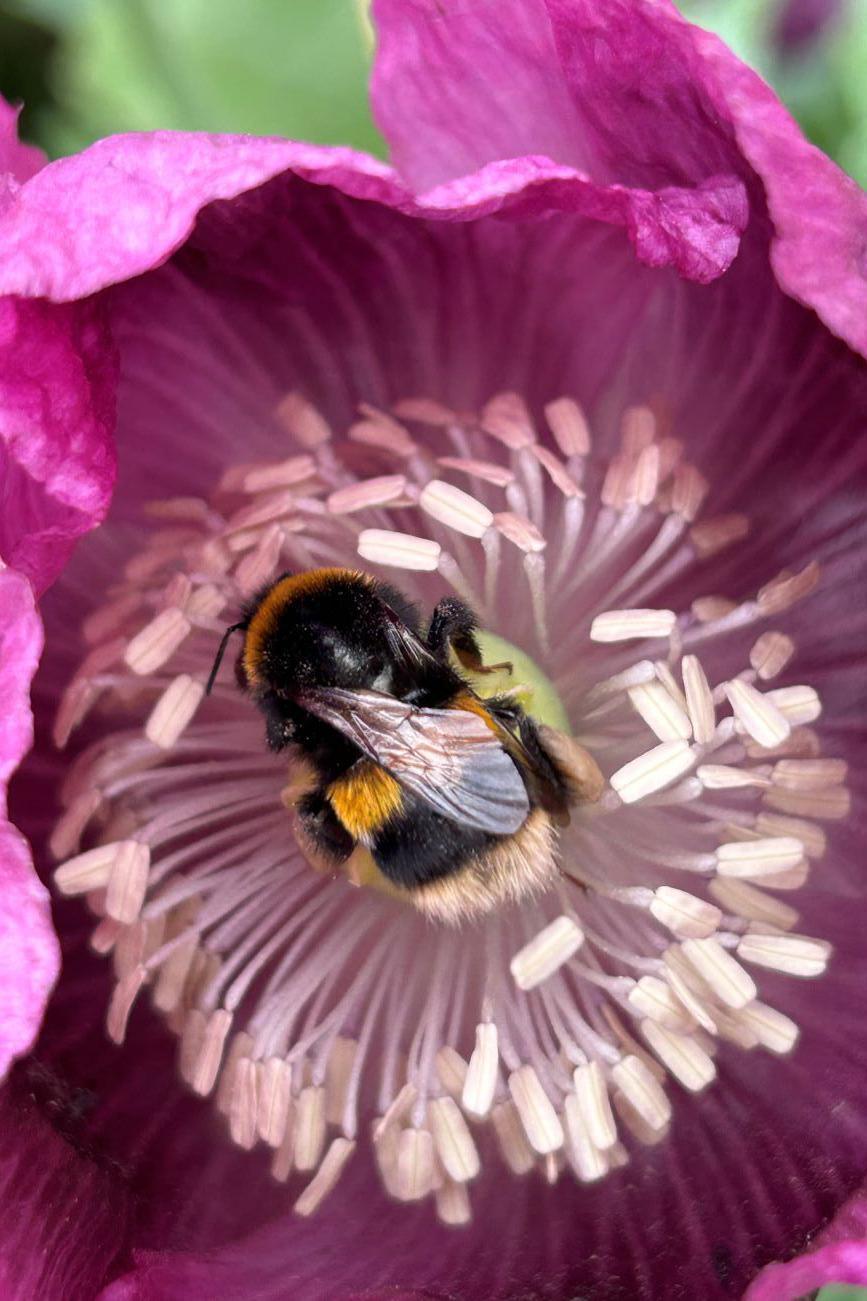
x=453, y=797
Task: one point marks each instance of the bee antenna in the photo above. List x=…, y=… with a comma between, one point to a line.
x=235, y=627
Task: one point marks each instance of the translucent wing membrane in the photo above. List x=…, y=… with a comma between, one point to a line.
x=448, y=757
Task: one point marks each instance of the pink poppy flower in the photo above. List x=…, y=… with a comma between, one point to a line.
x=589, y=356
x=800, y=24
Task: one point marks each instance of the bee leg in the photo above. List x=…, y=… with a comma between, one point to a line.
x=571, y=771
x=453, y=627
x=555, y=793
x=279, y=726
x=532, y=741
x=320, y=833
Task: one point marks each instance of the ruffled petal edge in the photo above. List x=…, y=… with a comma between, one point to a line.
x=124, y=205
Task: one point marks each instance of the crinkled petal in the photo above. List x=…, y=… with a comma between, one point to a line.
x=57, y=406
x=126, y=204
x=458, y=85
x=819, y=253
x=631, y=93
x=57, y=382
x=28, y=946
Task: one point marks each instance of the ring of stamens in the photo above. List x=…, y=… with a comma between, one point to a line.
x=317, y=1014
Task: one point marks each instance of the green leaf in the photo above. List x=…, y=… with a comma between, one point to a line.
x=842, y=1292
x=294, y=68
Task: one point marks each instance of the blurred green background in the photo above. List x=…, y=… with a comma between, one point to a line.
x=86, y=68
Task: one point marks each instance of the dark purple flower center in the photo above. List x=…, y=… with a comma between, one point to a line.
x=322, y=1016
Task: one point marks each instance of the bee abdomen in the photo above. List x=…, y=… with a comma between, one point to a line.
x=420, y=845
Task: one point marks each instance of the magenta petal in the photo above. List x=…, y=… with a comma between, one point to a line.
x=28, y=946
x=840, y=1257
x=459, y=85
x=631, y=93
x=57, y=466
x=66, y=1210
x=18, y=161
x=126, y=204
x=819, y=253
x=844, y=1262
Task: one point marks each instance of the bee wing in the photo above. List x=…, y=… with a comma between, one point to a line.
x=448, y=757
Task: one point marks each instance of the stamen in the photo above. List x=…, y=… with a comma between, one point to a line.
x=731, y=984
x=652, y=771
x=739, y=897
x=720, y=777
x=326, y=1176
x=512, y=1137
x=174, y=711
x=453, y=1204
x=809, y=775
x=498, y=475
x=480, y=1084
x=771, y=653
x=151, y=648
x=415, y=1164
x=546, y=953
x=455, y=508
x=757, y=858
x=507, y=418
x=661, y=712
x=811, y=837
x=311, y=1019
x=519, y=531
x=637, y=1083
x=587, y=1160
x=361, y=496
x=714, y=535
x=338, y=1075
x=88, y=871
x=774, y=1031
x=654, y=999
x=538, y=1117
x=568, y=424
x=275, y=1101
x=401, y=550
x=798, y=705
x=309, y=1127
x=454, y=1145
x=683, y=913
x=797, y=955
x=699, y=700
x=682, y=1054
x=784, y=590
x=626, y=625
x=764, y=721
x=595, y=1108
